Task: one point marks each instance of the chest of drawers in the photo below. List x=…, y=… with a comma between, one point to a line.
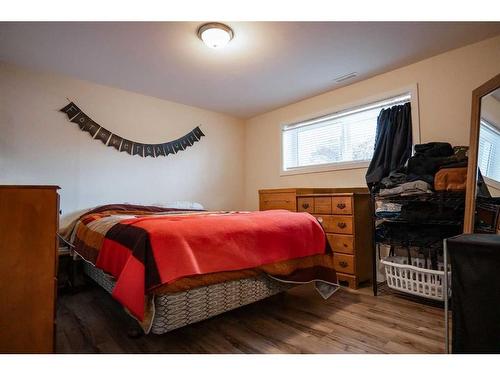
x=344, y=214
x=29, y=219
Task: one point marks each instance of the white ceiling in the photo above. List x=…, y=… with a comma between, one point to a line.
x=266, y=65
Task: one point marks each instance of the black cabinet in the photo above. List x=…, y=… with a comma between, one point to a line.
x=475, y=270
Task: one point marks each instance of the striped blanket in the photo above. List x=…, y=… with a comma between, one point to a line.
x=152, y=250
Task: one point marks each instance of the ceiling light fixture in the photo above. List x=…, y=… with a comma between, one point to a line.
x=215, y=35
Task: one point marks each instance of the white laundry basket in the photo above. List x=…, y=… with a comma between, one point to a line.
x=415, y=278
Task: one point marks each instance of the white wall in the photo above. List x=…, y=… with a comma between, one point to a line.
x=38, y=145
x=445, y=84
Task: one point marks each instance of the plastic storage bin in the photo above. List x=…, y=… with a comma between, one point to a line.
x=415, y=278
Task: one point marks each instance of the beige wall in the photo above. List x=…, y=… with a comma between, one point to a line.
x=445, y=83
x=38, y=145
x=224, y=171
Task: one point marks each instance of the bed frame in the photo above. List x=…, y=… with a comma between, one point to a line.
x=175, y=310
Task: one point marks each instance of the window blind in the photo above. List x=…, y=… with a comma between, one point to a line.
x=342, y=137
x=489, y=151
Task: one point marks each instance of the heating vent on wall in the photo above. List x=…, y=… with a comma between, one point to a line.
x=345, y=77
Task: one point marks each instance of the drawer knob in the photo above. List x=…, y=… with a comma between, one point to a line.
x=305, y=205
x=342, y=225
x=320, y=219
x=343, y=264
x=341, y=206
x=345, y=245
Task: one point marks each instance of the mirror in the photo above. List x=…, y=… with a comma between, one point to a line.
x=488, y=159
x=482, y=202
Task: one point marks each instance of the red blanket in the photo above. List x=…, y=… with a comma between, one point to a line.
x=149, y=251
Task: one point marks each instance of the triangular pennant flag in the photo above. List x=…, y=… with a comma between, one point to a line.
x=169, y=148
x=198, y=133
x=92, y=128
x=71, y=110
x=126, y=146
x=185, y=142
x=149, y=151
x=192, y=138
x=103, y=135
x=177, y=145
x=85, y=123
x=81, y=119
x=138, y=149
x=115, y=141
x=159, y=150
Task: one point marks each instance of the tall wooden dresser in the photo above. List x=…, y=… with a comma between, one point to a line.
x=345, y=215
x=29, y=217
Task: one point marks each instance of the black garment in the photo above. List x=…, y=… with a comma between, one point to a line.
x=418, y=235
x=458, y=164
x=393, y=143
x=423, y=165
x=475, y=285
x=434, y=149
x=430, y=157
x=395, y=178
x=482, y=188
x=421, y=212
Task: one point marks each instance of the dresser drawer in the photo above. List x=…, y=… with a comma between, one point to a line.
x=305, y=205
x=276, y=201
x=342, y=225
x=344, y=263
x=348, y=280
x=342, y=205
x=336, y=223
x=341, y=243
x=323, y=205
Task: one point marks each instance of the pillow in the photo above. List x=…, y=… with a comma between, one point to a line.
x=183, y=205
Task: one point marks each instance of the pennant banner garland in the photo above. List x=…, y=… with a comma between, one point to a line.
x=110, y=139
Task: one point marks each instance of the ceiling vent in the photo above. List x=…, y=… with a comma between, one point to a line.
x=345, y=77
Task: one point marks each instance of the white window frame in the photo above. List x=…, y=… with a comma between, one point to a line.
x=412, y=90
x=490, y=182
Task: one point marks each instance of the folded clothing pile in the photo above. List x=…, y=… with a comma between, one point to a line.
x=387, y=210
x=435, y=165
x=410, y=215
x=408, y=188
x=431, y=157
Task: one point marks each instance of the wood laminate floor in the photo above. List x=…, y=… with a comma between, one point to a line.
x=298, y=321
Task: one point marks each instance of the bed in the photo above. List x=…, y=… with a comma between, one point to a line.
x=173, y=267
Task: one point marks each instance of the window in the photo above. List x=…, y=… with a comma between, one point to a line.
x=489, y=151
x=342, y=139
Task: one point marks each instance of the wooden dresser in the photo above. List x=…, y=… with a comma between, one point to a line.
x=345, y=215
x=29, y=217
